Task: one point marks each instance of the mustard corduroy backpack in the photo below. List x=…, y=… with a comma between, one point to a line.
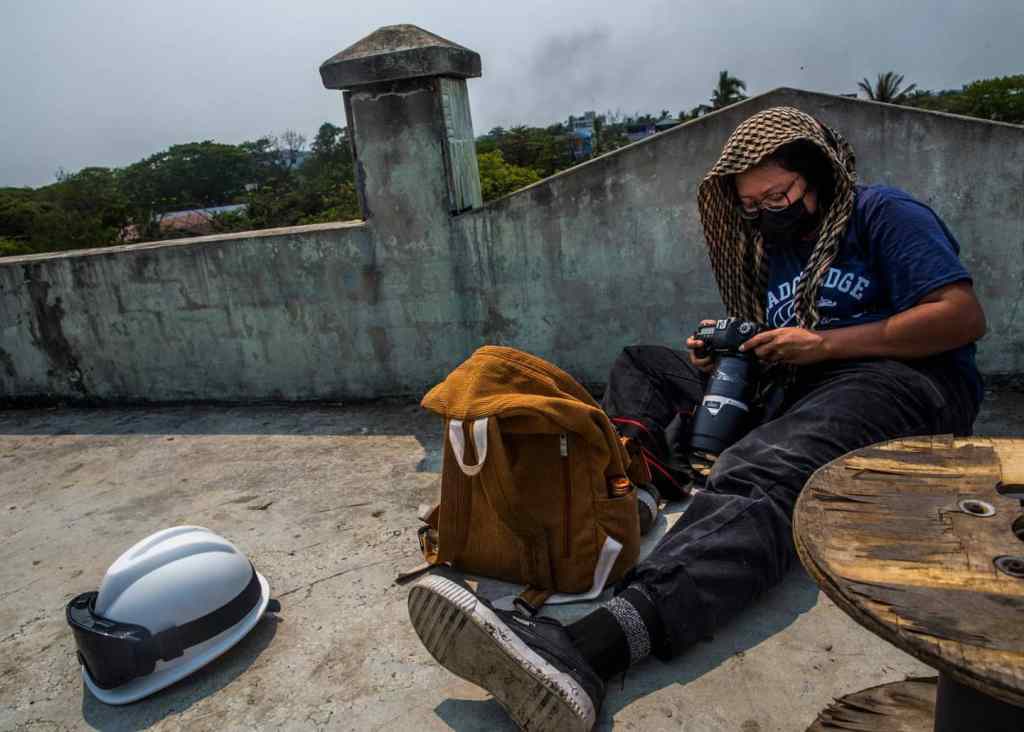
x=535, y=485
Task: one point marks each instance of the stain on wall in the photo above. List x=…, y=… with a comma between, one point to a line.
x=47, y=331
x=7, y=362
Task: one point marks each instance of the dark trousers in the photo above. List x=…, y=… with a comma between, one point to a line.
x=734, y=540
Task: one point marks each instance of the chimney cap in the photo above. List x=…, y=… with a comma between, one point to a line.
x=397, y=52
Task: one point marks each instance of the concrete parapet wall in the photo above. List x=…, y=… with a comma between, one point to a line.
x=303, y=313
x=572, y=268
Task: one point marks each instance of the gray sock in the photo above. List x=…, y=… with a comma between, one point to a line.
x=624, y=608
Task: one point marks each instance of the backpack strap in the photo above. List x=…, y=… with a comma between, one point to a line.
x=450, y=519
x=427, y=536
x=457, y=440
x=530, y=600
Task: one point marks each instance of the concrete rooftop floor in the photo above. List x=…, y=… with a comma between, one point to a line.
x=323, y=499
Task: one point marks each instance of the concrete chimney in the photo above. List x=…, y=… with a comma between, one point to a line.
x=408, y=116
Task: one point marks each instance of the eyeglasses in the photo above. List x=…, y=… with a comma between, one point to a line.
x=772, y=202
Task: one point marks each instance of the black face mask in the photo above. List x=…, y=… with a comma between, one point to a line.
x=791, y=222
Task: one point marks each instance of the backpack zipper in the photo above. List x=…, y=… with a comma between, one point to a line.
x=563, y=451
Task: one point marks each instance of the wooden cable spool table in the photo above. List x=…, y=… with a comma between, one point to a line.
x=921, y=541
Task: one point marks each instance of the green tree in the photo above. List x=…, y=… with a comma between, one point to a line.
x=888, y=88
x=1000, y=99
x=545, y=150
x=83, y=209
x=14, y=248
x=699, y=111
x=19, y=208
x=498, y=177
x=264, y=161
x=331, y=145
x=89, y=210
x=280, y=184
x=192, y=175
x=609, y=133
x=321, y=189
x=729, y=90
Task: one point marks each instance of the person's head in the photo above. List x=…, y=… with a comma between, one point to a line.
x=786, y=193
x=782, y=174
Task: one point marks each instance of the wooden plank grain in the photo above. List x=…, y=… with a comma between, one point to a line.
x=900, y=706
x=882, y=532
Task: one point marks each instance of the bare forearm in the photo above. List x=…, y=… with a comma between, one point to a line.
x=942, y=320
x=923, y=330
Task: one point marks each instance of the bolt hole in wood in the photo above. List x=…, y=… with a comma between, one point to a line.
x=977, y=508
x=1011, y=490
x=1011, y=565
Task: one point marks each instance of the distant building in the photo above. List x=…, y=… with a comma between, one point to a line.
x=192, y=222
x=639, y=131
x=581, y=135
x=195, y=221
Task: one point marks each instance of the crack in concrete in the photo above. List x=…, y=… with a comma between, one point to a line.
x=19, y=589
x=312, y=584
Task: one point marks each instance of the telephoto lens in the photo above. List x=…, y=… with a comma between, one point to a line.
x=723, y=415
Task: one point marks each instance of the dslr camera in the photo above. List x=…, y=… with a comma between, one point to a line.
x=723, y=415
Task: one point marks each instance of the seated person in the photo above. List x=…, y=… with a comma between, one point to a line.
x=872, y=318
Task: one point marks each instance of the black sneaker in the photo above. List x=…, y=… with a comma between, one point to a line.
x=529, y=665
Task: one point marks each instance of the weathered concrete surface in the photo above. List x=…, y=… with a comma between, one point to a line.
x=573, y=268
x=324, y=501
x=316, y=312
x=397, y=52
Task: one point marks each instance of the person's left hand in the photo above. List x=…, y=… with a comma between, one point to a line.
x=793, y=346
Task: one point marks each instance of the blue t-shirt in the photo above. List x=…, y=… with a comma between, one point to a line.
x=895, y=251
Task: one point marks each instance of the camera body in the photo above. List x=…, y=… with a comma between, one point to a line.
x=723, y=415
x=725, y=337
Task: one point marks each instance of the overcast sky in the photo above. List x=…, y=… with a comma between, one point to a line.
x=107, y=83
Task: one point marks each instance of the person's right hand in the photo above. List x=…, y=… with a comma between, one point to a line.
x=706, y=364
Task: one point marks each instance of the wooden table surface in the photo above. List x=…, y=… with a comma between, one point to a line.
x=894, y=534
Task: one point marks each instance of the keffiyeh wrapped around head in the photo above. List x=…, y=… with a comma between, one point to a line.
x=736, y=247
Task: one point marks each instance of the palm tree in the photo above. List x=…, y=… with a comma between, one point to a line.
x=887, y=88
x=729, y=91
x=699, y=111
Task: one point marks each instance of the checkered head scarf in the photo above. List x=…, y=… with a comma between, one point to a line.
x=735, y=245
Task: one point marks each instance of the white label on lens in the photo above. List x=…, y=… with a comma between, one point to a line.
x=714, y=404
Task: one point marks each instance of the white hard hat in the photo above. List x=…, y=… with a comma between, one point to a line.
x=166, y=607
